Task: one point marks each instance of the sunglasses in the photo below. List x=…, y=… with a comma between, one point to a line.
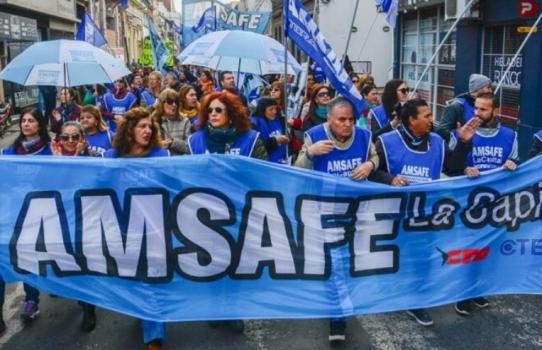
x=355, y=81
x=74, y=137
x=275, y=90
x=404, y=90
x=170, y=101
x=322, y=94
x=216, y=109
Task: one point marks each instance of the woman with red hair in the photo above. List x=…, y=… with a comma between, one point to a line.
x=225, y=128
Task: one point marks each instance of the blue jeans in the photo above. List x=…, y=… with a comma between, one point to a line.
x=153, y=330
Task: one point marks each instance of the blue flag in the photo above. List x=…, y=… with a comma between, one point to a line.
x=391, y=8
x=124, y=4
x=207, y=21
x=159, y=50
x=88, y=31
x=301, y=28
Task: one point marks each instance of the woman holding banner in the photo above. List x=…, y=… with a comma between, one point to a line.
x=33, y=139
x=174, y=127
x=138, y=136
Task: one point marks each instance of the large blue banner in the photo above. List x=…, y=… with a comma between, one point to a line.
x=221, y=237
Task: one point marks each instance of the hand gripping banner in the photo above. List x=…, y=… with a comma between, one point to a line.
x=222, y=237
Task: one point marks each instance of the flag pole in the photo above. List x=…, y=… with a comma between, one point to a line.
x=428, y=65
x=350, y=31
x=286, y=3
x=531, y=31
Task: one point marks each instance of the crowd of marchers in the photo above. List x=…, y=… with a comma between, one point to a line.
x=197, y=111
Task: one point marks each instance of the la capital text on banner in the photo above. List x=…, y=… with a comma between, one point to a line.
x=133, y=234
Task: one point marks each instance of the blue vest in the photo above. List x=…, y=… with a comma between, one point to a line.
x=493, y=151
x=148, y=97
x=243, y=146
x=380, y=116
x=155, y=152
x=118, y=107
x=341, y=161
x=414, y=165
x=268, y=129
x=100, y=141
x=44, y=151
x=468, y=110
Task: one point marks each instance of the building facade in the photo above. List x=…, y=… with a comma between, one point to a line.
x=484, y=42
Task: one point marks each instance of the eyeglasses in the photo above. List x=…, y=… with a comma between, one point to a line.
x=404, y=91
x=74, y=137
x=216, y=109
x=170, y=101
x=322, y=94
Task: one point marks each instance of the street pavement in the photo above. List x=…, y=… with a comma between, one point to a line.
x=510, y=322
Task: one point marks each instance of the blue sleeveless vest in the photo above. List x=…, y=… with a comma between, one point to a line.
x=148, y=97
x=380, y=116
x=468, y=110
x=268, y=129
x=117, y=106
x=414, y=165
x=493, y=151
x=341, y=161
x=243, y=146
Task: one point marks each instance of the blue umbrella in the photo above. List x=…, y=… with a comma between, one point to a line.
x=238, y=51
x=63, y=63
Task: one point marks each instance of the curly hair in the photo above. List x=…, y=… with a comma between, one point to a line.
x=158, y=110
x=312, y=106
x=236, y=113
x=95, y=112
x=125, y=139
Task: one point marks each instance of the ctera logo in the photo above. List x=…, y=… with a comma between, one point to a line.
x=463, y=256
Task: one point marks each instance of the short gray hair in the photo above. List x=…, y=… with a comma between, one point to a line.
x=339, y=102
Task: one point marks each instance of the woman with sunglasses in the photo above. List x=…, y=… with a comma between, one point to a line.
x=317, y=111
x=270, y=124
x=98, y=136
x=71, y=141
x=188, y=103
x=175, y=128
x=382, y=118
x=138, y=136
x=277, y=93
x=68, y=110
x=33, y=139
x=225, y=128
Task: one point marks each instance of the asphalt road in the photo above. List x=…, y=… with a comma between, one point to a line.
x=511, y=322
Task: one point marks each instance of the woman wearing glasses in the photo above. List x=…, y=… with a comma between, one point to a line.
x=175, y=128
x=98, y=136
x=71, y=141
x=317, y=112
x=138, y=136
x=224, y=127
x=382, y=118
x=277, y=93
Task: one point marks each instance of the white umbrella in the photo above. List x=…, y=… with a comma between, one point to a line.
x=63, y=63
x=238, y=51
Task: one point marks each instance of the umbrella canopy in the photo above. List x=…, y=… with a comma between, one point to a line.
x=63, y=63
x=238, y=51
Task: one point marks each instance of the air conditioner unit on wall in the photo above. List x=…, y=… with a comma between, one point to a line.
x=454, y=8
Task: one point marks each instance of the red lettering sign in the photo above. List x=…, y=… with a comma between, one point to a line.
x=528, y=8
x=466, y=256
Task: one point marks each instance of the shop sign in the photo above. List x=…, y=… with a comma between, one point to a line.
x=528, y=8
x=512, y=79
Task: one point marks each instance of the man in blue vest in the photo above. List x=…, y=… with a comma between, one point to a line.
x=116, y=103
x=341, y=148
x=461, y=109
x=485, y=146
